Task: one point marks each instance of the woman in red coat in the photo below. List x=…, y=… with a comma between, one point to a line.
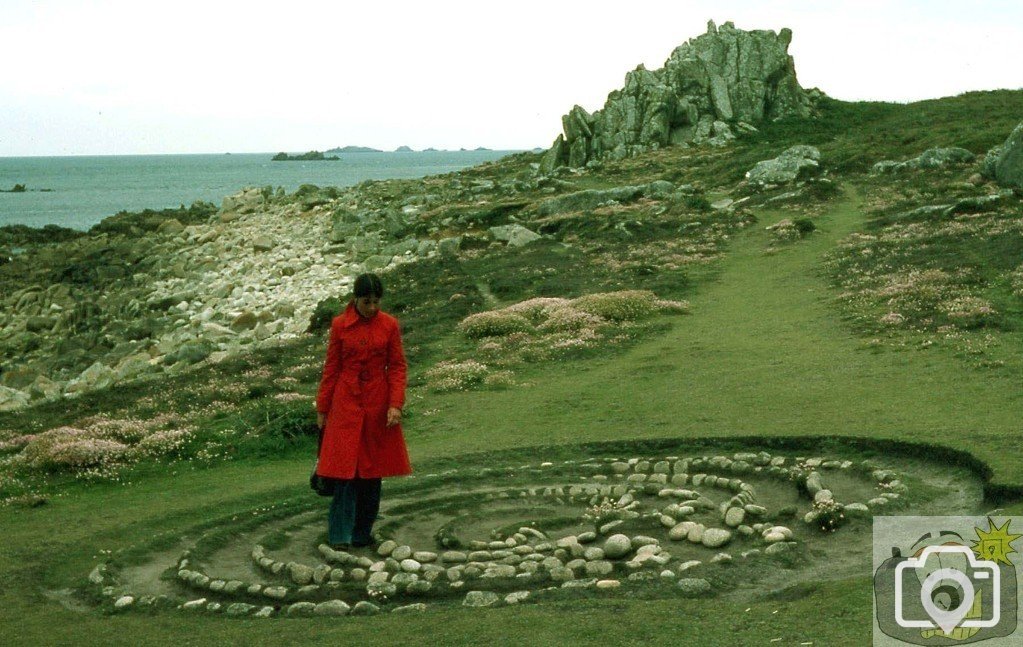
x=358, y=406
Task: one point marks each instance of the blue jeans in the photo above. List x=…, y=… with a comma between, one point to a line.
x=353, y=510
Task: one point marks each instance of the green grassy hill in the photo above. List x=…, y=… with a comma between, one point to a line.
x=877, y=326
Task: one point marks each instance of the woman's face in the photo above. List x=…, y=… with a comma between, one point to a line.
x=367, y=306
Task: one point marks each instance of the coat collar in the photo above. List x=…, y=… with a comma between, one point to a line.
x=351, y=316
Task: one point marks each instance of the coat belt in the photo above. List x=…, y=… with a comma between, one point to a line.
x=363, y=375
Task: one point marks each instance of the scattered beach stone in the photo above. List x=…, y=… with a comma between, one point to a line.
x=856, y=510
x=275, y=592
x=481, y=599
x=692, y=587
x=516, y=596
x=642, y=540
x=681, y=531
x=401, y=552
x=599, y=567
x=696, y=533
x=301, y=609
x=124, y=602
x=419, y=587
x=561, y=574
x=734, y=517
x=410, y=608
x=608, y=584
x=300, y=573
x=239, y=609
x=365, y=608
x=716, y=537
x=617, y=546
x=813, y=483
x=579, y=584
x=779, y=548
x=386, y=547
x=593, y=553
x=607, y=528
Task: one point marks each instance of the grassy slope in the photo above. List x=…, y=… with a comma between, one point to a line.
x=760, y=355
x=763, y=353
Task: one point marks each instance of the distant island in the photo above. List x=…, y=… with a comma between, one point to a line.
x=311, y=156
x=354, y=149
x=338, y=150
x=21, y=188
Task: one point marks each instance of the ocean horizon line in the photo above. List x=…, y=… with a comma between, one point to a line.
x=274, y=152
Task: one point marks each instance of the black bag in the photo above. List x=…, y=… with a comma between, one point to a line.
x=322, y=485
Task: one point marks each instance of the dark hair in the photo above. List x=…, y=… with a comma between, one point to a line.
x=368, y=285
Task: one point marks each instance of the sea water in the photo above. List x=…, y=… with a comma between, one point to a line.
x=84, y=190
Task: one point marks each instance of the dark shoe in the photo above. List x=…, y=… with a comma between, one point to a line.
x=364, y=544
x=341, y=546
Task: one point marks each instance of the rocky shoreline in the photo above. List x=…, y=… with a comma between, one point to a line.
x=123, y=303
x=136, y=306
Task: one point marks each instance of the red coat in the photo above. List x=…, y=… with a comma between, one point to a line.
x=364, y=374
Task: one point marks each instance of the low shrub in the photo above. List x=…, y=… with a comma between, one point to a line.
x=324, y=313
x=494, y=323
x=455, y=375
x=627, y=305
x=804, y=226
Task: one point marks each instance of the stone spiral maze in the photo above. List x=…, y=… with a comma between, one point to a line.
x=661, y=526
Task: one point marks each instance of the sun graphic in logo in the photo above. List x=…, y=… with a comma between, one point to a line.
x=995, y=544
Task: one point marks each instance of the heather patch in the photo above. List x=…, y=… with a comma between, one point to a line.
x=544, y=329
x=493, y=324
x=95, y=448
x=945, y=273
x=455, y=375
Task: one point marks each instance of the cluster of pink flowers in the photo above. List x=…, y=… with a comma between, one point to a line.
x=878, y=282
x=260, y=372
x=290, y=396
x=495, y=323
x=543, y=328
x=100, y=444
x=455, y=375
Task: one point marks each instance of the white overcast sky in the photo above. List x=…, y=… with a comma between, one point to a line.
x=138, y=77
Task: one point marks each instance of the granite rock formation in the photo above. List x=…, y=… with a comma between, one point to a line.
x=1005, y=163
x=725, y=76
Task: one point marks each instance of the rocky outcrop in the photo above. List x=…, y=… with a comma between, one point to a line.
x=795, y=163
x=726, y=76
x=1005, y=163
x=593, y=198
x=930, y=158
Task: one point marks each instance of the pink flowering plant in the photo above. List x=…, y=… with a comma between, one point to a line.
x=935, y=267
x=544, y=329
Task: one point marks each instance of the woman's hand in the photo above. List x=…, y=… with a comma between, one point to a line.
x=393, y=416
x=321, y=419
